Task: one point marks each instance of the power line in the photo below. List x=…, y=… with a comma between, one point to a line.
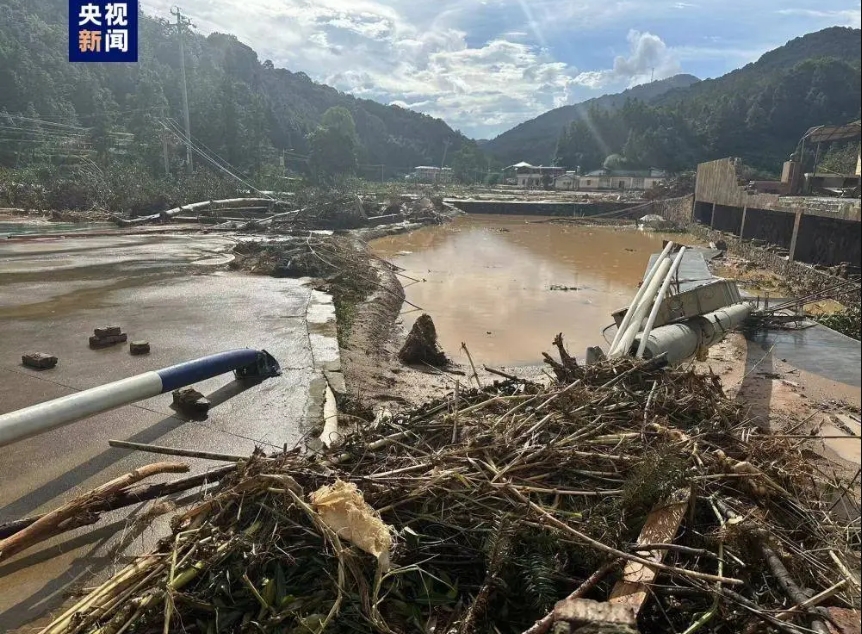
x=224, y=161
x=190, y=144
x=42, y=122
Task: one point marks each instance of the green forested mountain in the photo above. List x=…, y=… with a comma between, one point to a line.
x=243, y=110
x=758, y=112
x=535, y=141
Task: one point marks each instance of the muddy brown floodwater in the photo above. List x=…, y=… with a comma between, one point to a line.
x=487, y=281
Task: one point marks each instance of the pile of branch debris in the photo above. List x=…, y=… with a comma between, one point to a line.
x=354, y=212
x=623, y=497
x=331, y=210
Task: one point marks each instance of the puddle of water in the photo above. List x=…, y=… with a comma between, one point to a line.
x=488, y=280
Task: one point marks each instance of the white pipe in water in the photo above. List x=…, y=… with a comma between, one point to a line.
x=639, y=295
x=657, y=305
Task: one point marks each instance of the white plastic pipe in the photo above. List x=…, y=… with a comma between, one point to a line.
x=43, y=417
x=657, y=304
x=36, y=419
x=640, y=311
x=639, y=295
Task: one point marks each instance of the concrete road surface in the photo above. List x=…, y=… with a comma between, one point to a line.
x=175, y=292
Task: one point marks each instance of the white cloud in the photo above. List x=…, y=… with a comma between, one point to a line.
x=400, y=53
x=485, y=66
x=649, y=58
x=594, y=79
x=419, y=58
x=840, y=17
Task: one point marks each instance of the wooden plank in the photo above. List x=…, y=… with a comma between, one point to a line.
x=584, y=612
x=660, y=527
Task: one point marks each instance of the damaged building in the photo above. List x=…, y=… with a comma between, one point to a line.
x=811, y=217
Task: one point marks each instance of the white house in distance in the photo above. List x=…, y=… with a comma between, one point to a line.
x=529, y=176
x=431, y=174
x=611, y=180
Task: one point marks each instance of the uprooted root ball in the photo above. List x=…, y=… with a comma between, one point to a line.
x=421, y=345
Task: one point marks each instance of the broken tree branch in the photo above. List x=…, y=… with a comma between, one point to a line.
x=52, y=523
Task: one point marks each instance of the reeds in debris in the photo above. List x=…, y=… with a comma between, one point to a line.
x=537, y=489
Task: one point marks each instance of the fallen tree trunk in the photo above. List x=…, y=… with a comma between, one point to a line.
x=225, y=204
x=56, y=521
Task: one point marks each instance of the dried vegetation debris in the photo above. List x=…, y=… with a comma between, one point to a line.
x=498, y=506
x=337, y=211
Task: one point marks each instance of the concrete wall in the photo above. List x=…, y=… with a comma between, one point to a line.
x=838, y=208
x=677, y=210
x=802, y=277
x=539, y=208
x=828, y=241
x=774, y=227
x=718, y=182
x=818, y=230
x=727, y=219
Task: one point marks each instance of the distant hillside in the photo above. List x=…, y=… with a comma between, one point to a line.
x=760, y=111
x=757, y=113
x=535, y=140
x=242, y=109
x=839, y=43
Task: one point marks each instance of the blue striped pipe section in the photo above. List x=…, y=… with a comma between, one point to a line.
x=43, y=417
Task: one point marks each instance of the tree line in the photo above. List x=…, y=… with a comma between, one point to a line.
x=757, y=117
x=62, y=119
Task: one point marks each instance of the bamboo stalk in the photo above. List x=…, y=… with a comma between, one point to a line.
x=472, y=365
x=129, y=497
x=170, y=451
x=49, y=524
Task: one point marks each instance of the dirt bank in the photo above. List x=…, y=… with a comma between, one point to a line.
x=369, y=352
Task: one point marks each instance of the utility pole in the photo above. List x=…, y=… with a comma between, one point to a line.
x=164, y=134
x=165, y=153
x=446, y=143
x=181, y=24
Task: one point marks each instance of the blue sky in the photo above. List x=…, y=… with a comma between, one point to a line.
x=486, y=65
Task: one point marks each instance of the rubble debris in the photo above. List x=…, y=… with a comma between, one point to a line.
x=39, y=360
x=584, y=616
x=108, y=331
x=139, y=347
x=107, y=336
x=191, y=402
x=655, y=222
x=107, y=342
x=499, y=503
x=421, y=345
x=595, y=354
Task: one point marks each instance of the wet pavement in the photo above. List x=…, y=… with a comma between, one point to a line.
x=818, y=350
x=506, y=285
x=175, y=293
